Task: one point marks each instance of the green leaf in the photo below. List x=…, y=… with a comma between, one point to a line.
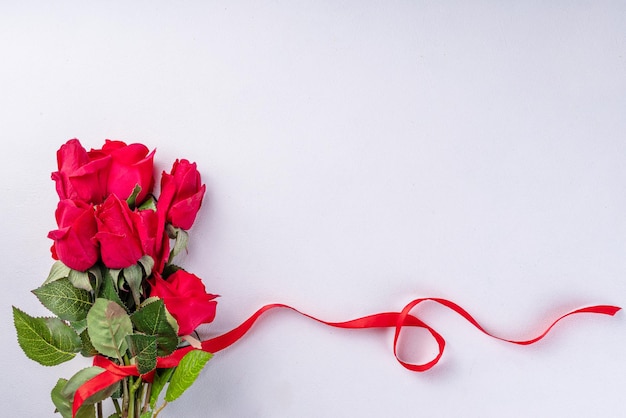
x=63, y=404
x=161, y=378
x=186, y=373
x=147, y=414
x=86, y=411
x=57, y=271
x=151, y=319
x=182, y=237
x=80, y=279
x=150, y=203
x=147, y=263
x=81, y=378
x=64, y=300
x=88, y=349
x=133, y=275
x=119, y=393
x=170, y=319
x=109, y=289
x=108, y=325
x=115, y=275
x=48, y=341
x=149, y=300
x=95, y=275
x=133, y=196
x=144, y=349
x=79, y=326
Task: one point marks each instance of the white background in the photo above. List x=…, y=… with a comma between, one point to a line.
x=357, y=155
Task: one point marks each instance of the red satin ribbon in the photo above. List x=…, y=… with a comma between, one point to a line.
x=114, y=373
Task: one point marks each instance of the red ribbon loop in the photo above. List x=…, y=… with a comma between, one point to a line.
x=113, y=373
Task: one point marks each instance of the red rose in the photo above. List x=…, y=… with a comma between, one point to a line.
x=120, y=243
x=154, y=240
x=73, y=241
x=185, y=297
x=181, y=194
x=81, y=177
x=131, y=165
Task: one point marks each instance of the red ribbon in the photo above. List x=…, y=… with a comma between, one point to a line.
x=114, y=373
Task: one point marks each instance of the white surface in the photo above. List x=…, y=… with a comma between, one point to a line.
x=357, y=155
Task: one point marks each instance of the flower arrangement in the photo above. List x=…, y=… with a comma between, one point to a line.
x=115, y=290
x=118, y=296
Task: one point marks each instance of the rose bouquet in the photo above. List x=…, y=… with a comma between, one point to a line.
x=114, y=289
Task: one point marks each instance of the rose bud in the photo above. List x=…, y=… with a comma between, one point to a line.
x=120, y=243
x=181, y=194
x=81, y=177
x=131, y=165
x=185, y=297
x=73, y=241
x=154, y=240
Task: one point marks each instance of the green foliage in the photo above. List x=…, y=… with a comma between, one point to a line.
x=133, y=276
x=63, y=403
x=79, y=326
x=181, y=238
x=133, y=196
x=88, y=349
x=144, y=349
x=60, y=402
x=81, y=378
x=78, y=379
x=48, y=341
x=63, y=299
x=57, y=271
x=147, y=264
x=109, y=289
x=108, y=325
x=150, y=203
x=161, y=378
x=151, y=319
x=186, y=373
x=63, y=393
x=80, y=279
x=95, y=276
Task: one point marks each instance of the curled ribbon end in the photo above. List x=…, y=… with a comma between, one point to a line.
x=602, y=309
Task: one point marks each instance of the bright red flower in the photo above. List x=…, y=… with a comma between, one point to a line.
x=181, y=194
x=131, y=165
x=185, y=297
x=154, y=240
x=120, y=241
x=81, y=177
x=74, y=240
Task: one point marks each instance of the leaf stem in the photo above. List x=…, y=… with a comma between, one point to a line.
x=116, y=404
x=147, y=394
x=137, y=383
x=158, y=411
x=125, y=399
x=132, y=400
